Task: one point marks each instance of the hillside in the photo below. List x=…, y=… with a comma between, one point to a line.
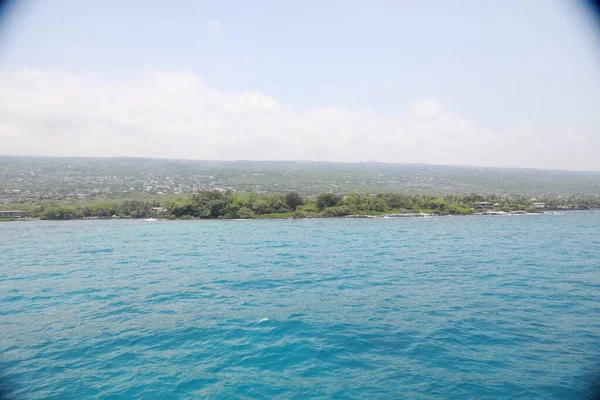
x=39, y=178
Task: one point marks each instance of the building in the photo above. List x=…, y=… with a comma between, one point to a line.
x=538, y=205
x=484, y=206
x=13, y=214
x=158, y=210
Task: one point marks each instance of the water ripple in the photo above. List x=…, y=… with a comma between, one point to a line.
x=468, y=307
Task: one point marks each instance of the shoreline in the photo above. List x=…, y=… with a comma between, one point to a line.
x=219, y=204
x=358, y=216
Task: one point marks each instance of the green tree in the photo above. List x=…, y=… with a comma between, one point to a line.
x=379, y=204
x=261, y=206
x=355, y=201
x=326, y=200
x=245, y=212
x=181, y=207
x=397, y=201
x=210, y=203
x=293, y=200
x=277, y=203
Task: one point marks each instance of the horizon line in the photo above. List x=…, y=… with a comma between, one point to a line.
x=303, y=161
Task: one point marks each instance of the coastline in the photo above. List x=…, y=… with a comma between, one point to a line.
x=357, y=216
x=218, y=204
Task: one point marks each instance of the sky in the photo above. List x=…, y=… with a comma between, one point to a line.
x=511, y=83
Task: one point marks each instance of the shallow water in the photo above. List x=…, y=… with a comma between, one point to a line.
x=464, y=307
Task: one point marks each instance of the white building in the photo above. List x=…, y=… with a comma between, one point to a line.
x=484, y=206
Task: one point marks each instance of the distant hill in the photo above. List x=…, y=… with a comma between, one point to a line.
x=35, y=178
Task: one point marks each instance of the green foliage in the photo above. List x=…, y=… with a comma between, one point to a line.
x=309, y=208
x=337, y=211
x=61, y=213
x=354, y=200
x=211, y=204
x=181, y=207
x=396, y=201
x=326, y=200
x=261, y=206
x=457, y=209
x=379, y=204
x=245, y=213
x=299, y=214
x=293, y=200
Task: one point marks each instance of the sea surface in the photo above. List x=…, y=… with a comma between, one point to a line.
x=479, y=307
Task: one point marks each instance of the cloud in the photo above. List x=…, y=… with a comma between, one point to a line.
x=175, y=114
x=214, y=28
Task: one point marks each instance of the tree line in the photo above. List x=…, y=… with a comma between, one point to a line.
x=213, y=204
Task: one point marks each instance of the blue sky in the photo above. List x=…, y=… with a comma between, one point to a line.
x=510, y=68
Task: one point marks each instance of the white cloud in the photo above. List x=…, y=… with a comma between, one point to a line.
x=214, y=28
x=174, y=114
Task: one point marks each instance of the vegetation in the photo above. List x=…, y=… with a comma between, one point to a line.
x=213, y=204
x=36, y=179
x=293, y=200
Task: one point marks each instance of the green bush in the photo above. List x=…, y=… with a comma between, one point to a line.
x=327, y=200
x=337, y=211
x=293, y=200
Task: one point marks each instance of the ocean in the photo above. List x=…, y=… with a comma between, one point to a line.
x=474, y=307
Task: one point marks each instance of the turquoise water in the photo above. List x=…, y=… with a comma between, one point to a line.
x=450, y=307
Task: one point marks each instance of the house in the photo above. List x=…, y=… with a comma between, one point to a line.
x=13, y=214
x=158, y=210
x=483, y=206
x=538, y=205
